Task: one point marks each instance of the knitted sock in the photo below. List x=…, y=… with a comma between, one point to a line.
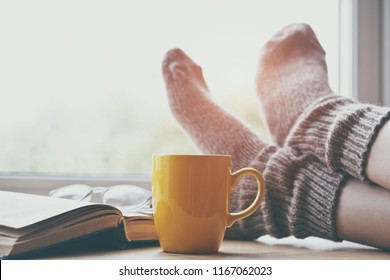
x=340, y=132
x=213, y=129
x=301, y=194
x=292, y=74
x=301, y=197
x=298, y=102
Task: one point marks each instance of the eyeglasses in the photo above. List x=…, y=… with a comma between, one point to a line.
x=127, y=198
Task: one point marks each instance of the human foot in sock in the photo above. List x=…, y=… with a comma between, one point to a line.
x=292, y=73
x=301, y=195
x=293, y=87
x=213, y=129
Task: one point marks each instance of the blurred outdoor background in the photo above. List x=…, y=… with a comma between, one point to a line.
x=81, y=89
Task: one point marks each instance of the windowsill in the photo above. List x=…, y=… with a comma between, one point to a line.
x=42, y=183
x=264, y=248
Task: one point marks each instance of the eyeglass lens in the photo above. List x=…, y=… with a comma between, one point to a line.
x=126, y=197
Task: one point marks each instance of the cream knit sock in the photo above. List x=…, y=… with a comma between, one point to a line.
x=292, y=74
x=214, y=130
x=298, y=102
x=301, y=194
x=301, y=197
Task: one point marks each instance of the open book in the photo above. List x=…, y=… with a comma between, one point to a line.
x=29, y=223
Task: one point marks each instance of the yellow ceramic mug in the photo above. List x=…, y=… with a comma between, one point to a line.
x=191, y=201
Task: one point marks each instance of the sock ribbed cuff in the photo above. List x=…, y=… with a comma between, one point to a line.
x=253, y=226
x=301, y=198
x=303, y=195
x=340, y=132
x=350, y=148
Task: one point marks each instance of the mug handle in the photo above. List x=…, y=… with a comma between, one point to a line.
x=233, y=217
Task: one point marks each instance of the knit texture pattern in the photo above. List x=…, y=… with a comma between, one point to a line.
x=301, y=197
x=304, y=113
x=340, y=132
x=210, y=127
x=292, y=73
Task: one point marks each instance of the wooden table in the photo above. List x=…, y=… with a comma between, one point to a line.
x=266, y=247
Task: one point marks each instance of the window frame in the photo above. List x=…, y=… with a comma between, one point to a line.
x=365, y=54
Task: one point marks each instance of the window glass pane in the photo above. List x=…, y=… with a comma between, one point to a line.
x=81, y=86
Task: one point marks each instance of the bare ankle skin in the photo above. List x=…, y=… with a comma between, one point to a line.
x=363, y=214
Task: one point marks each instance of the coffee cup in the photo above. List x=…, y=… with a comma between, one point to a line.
x=191, y=200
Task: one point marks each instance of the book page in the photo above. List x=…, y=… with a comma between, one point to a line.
x=18, y=210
